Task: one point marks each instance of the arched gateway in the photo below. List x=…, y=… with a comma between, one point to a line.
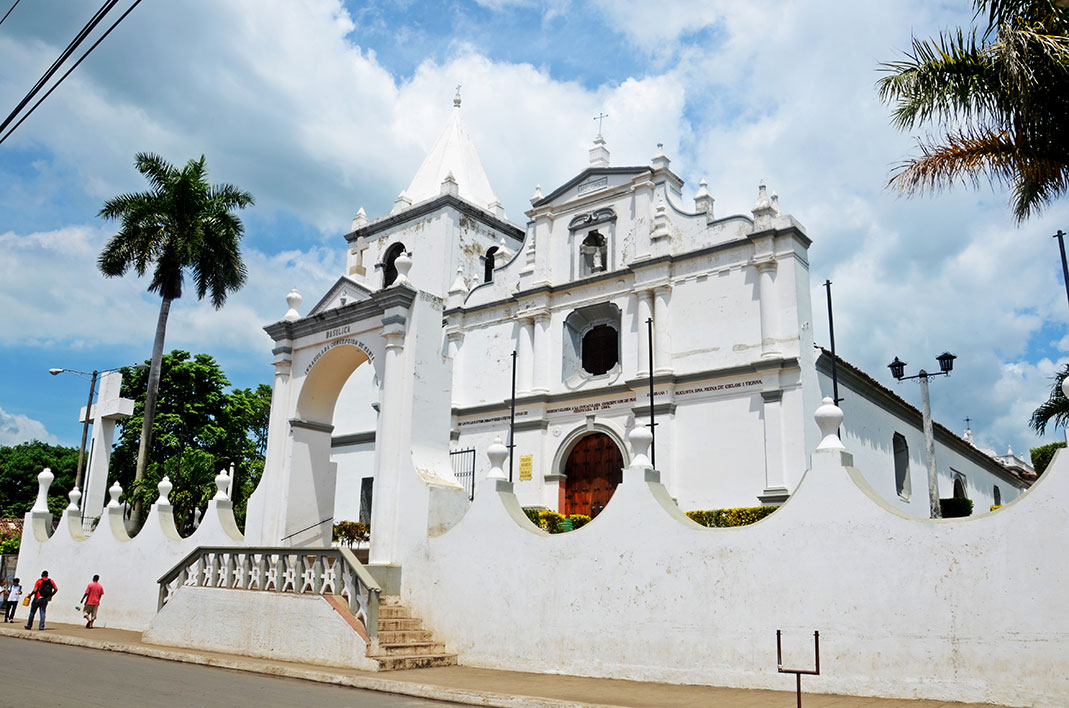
x=397, y=332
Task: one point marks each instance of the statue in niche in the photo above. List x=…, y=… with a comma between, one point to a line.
x=594, y=251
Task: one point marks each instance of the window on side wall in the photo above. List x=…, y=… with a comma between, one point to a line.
x=998, y=496
x=488, y=266
x=389, y=270
x=901, y=452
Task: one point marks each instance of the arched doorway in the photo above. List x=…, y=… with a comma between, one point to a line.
x=593, y=469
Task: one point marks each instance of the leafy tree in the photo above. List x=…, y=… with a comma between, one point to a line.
x=1055, y=408
x=19, y=467
x=198, y=429
x=1003, y=96
x=182, y=224
x=1042, y=455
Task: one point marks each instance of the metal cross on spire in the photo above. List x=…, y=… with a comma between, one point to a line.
x=599, y=118
x=456, y=99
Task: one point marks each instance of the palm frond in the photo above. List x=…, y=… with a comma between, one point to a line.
x=1055, y=408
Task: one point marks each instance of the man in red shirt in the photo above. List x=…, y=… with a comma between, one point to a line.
x=43, y=591
x=91, y=601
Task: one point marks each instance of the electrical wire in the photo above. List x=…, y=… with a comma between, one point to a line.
x=74, y=43
x=9, y=11
x=68, y=73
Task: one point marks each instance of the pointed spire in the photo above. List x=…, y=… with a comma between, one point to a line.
x=703, y=201
x=537, y=196
x=459, y=287
x=402, y=202
x=453, y=153
x=762, y=210
x=360, y=220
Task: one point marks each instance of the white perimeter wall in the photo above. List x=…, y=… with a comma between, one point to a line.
x=968, y=610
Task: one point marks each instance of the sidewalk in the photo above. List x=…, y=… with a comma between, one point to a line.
x=479, y=687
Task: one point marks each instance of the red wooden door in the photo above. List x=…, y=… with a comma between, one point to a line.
x=593, y=469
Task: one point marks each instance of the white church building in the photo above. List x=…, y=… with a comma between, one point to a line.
x=605, y=259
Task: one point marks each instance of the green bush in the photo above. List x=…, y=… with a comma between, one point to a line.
x=955, y=508
x=553, y=522
x=9, y=543
x=737, y=516
x=1042, y=455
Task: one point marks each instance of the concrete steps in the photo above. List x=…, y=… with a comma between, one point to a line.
x=404, y=643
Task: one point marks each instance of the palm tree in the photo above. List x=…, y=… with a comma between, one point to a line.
x=1055, y=408
x=1003, y=97
x=182, y=224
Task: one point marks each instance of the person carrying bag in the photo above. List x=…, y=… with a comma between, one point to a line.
x=43, y=591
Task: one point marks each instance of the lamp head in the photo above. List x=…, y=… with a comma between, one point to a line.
x=898, y=368
x=946, y=362
x=140, y=367
x=55, y=372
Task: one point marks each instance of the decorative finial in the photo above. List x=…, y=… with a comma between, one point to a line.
x=114, y=491
x=640, y=438
x=75, y=495
x=222, y=480
x=456, y=99
x=459, y=287
x=44, y=481
x=497, y=452
x=537, y=196
x=829, y=417
x=403, y=264
x=293, y=299
x=660, y=160
x=165, y=488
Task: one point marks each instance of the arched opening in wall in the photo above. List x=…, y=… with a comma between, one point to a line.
x=959, y=488
x=593, y=469
x=333, y=444
x=601, y=349
x=488, y=265
x=595, y=251
x=998, y=496
x=901, y=450
x=389, y=270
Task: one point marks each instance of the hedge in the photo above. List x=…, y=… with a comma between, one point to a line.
x=553, y=522
x=737, y=516
x=955, y=508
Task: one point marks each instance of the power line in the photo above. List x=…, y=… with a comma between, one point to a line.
x=74, y=43
x=68, y=72
x=9, y=11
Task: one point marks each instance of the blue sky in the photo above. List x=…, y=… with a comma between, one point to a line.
x=319, y=107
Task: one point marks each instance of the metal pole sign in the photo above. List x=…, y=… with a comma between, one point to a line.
x=653, y=422
x=512, y=417
x=798, y=672
x=1065, y=267
x=834, y=358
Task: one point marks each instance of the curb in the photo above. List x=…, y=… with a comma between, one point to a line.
x=404, y=688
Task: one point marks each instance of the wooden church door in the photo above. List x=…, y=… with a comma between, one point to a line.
x=592, y=471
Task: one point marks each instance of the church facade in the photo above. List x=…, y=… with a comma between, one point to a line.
x=615, y=287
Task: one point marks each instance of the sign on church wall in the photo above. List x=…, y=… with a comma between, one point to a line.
x=526, y=465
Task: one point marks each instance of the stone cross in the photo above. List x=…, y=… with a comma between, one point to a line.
x=108, y=409
x=358, y=249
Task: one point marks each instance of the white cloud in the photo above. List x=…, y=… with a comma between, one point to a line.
x=16, y=428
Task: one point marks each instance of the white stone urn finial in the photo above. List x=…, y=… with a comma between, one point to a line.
x=44, y=481
x=293, y=299
x=75, y=495
x=114, y=491
x=165, y=488
x=1065, y=387
x=403, y=264
x=640, y=439
x=221, y=481
x=497, y=452
x=829, y=417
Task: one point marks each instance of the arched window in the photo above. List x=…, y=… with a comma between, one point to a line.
x=959, y=487
x=998, y=496
x=389, y=270
x=488, y=268
x=901, y=451
x=594, y=251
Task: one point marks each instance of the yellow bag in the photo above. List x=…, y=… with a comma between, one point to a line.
x=26, y=600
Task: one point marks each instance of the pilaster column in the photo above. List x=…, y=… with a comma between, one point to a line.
x=388, y=437
x=455, y=341
x=769, y=305
x=541, y=352
x=662, y=356
x=643, y=312
x=525, y=356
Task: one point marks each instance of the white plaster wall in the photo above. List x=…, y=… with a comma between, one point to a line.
x=128, y=567
x=267, y=625
x=868, y=430
x=355, y=462
x=966, y=609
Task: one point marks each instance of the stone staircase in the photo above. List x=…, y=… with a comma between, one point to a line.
x=403, y=643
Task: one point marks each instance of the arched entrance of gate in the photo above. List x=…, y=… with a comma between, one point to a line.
x=593, y=468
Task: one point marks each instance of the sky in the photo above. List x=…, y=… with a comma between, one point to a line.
x=320, y=107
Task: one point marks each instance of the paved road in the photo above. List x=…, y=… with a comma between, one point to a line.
x=46, y=674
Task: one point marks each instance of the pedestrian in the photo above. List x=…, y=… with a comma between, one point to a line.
x=5, y=592
x=91, y=601
x=43, y=591
x=13, y=601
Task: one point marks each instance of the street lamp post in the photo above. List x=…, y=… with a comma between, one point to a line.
x=946, y=364
x=92, y=376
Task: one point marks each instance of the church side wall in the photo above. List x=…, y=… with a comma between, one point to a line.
x=641, y=593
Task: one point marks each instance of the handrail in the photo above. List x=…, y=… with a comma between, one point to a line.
x=318, y=571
